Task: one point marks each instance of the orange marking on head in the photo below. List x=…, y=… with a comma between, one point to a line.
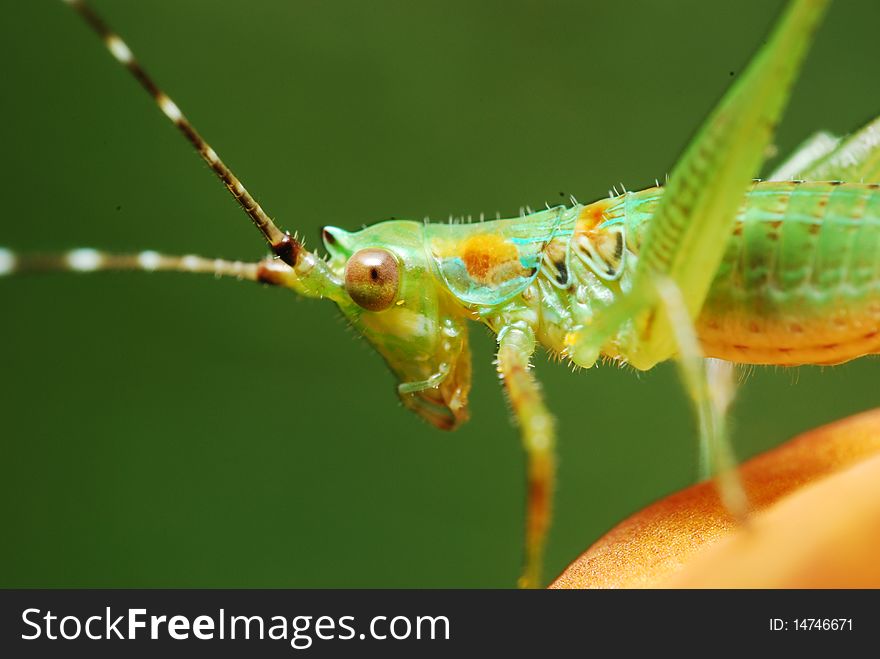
x=484, y=253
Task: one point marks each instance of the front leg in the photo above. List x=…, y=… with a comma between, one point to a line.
x=516, y=343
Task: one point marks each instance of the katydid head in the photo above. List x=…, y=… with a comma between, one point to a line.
x=389, y=293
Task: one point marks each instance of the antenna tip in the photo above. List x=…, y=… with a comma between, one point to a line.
x=7, y=262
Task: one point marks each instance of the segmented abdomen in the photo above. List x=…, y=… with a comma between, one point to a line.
x=800, y=280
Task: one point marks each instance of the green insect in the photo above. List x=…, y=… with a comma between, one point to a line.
x=713, y=264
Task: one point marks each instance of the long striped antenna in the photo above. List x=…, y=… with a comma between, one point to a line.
x=85, y=260
x=285, y=246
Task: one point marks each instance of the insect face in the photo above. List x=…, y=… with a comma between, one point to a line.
x=392, y=300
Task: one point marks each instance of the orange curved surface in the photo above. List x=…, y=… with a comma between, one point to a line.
x=815, y=524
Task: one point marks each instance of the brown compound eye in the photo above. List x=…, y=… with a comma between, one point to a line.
x=372, y=278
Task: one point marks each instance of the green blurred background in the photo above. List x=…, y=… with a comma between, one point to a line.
x=169, y=430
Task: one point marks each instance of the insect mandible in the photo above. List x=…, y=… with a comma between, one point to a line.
x=301, y=311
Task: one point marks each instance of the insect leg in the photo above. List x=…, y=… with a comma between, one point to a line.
x=709, y=384
x=516, y=343
x=721, y=376
x=856, y=160
x=687, y=236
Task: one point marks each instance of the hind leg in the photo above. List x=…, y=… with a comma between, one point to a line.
x=689, y=231
x=721, y=378
x=710, y=384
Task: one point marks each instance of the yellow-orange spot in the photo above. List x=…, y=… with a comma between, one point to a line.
x=489, y=258
x=592, y=216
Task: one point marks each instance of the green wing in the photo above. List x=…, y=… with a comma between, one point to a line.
x=856, y=159
x=826, y=157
